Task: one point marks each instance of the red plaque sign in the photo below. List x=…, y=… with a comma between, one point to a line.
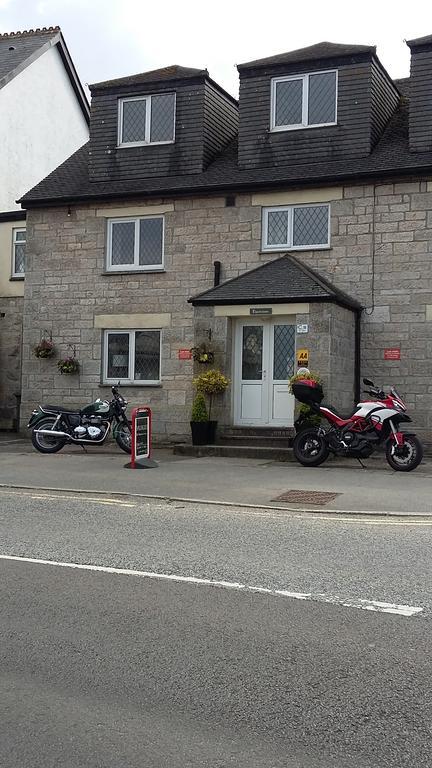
x=184, y=354
x=392, y=354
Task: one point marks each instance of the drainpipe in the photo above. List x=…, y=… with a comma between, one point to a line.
x=357, y=355
x=217, y=270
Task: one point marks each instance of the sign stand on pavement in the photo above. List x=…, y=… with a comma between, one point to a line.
x=141, y=439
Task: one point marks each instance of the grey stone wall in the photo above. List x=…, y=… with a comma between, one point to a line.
x=10, y=359
x=384, y=230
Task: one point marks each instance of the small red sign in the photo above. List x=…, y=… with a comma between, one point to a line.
x=392, y=354
x=184, y=354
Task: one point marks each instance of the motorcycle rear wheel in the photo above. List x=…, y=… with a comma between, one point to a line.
x=44, y=443
x=310, y=448
x=407, y=458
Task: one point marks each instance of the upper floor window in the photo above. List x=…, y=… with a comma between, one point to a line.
x=18, y=252
x=146, y=120
x=135, y=243
x=303, y=101
x=296, y=227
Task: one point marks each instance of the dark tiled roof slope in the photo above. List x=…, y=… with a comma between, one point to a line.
x=318, y=51
x=173, y=72
x=284, y=279
x=70, y=181
x=17, y=47
x=427, y=40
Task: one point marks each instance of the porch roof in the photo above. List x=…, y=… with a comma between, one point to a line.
x=282, y=280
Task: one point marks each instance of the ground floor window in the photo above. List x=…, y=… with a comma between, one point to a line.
x=132, y=356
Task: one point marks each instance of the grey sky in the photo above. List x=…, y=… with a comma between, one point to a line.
x=112, y=38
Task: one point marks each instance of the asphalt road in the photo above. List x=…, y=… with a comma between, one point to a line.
x=101, y=669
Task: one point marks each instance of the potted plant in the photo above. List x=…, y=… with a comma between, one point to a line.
x=202, y=354
x=199, y=420
x=68, y=365
x=210, y=384
x=307, y=417
x=44, y=349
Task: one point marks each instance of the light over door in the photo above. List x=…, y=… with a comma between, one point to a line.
x=264, y=360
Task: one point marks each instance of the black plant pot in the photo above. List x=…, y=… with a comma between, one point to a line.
x=199, y=432
x=203, y=432
x=211, y=432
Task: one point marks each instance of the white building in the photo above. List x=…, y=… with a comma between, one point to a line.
x=44, y=117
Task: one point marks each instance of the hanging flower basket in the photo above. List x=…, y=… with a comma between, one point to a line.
x=202, y=354
x=69, y=366
x=44, y=349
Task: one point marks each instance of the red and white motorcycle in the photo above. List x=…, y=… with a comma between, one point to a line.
x=374, y=422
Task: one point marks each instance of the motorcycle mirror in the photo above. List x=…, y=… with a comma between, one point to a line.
x=368, y=383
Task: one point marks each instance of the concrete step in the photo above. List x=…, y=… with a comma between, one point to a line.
x=255, y=441
x=266, y=453
x=229, y=432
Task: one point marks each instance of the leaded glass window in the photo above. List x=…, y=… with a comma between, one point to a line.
x=302, y=101
x=147, y=120
x=136, y=244
x=18, y=252
x=132, y=356
x=296, y=227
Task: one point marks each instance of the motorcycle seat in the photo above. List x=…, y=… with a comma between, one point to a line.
x=345, y=416
x=59, y=409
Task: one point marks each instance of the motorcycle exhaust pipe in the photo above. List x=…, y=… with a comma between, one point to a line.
x=51, y=433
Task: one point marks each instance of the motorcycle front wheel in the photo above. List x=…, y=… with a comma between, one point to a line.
x=123, y=436
x=310, y=448
x=407, y=457
x=45, y=443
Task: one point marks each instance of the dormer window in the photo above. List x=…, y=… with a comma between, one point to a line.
x=146, y=120
x=303, y=101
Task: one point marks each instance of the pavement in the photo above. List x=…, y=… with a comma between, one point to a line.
x=374, y=490
x=133, y=633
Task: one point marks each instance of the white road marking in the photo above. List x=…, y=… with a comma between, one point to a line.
x=69, y=497
x=366, y=605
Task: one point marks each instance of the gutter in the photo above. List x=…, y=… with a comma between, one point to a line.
x=300, y=183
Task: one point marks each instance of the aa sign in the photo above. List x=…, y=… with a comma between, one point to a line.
x=302, y=357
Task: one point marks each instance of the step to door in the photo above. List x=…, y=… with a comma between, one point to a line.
x=267, y=453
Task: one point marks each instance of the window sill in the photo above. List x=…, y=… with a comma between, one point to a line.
x=14, y=278
x=133, y=271
x=296, y=250
x=135, y=384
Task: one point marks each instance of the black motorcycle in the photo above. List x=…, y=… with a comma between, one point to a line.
x=53, y=426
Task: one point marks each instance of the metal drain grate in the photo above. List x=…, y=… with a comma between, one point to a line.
x=306, y=497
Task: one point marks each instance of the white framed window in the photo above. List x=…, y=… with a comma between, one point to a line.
x=146, y=120
x=18, y=252
x=132, y=356
x=296, y=227
x=135, y=244
x=304, y=101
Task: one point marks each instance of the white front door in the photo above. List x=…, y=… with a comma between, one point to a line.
x=264, y=361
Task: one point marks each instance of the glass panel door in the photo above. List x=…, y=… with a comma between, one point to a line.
x=252, y=353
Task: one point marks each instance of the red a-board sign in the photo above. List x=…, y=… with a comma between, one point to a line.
x=392, y=354
x=184, y=354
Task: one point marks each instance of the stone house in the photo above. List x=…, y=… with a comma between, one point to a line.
x=44, y=118
x=296, y=222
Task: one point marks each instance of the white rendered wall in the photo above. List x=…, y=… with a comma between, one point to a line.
x=41, y=124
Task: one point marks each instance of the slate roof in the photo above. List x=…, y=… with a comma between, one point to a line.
x=391, y=156
x=173, y=72
x=19, y=49
x=318, y=51
x=283, y=280
x=418, y=41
